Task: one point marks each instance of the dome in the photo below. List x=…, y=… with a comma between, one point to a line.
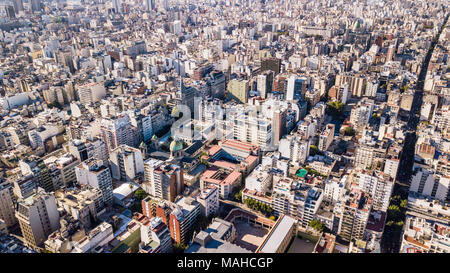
x=154, y=137
x=176, y=145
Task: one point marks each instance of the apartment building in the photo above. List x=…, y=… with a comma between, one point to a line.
x=93, y=172
x=183, y=219
x=38, y=217
x=126, y=163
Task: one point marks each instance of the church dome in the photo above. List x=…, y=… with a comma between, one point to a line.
x=176, y=145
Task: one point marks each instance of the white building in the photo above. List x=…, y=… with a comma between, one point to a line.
x=258, y=180
x=379, y=186
x=428, y=183
x=93, y=172
x=126, y=163
x=335, y=189
x=208, y=199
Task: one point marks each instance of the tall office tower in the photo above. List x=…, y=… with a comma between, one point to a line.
x=149, y=4
x=35, y=5
x=379, y=186
x=272, y=64
x=91, y=93
x=265, y=83
x=126, y=163
x=7, y=205
x=38, y=217
x=296, y=88
x=117, y=131
x=183, y=219
x=351, y=215
x=18, y=6
x=238, y=90
x=93, y=172
x=326, y=137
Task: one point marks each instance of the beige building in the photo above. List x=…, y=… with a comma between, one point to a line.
x=38, y=217
x=238, y=90
x=7, y=205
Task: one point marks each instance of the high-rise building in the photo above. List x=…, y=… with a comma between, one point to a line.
x=208, y=199
x=38, y=217
x=296, y=88
x=7, y=205
x=351, y=215
x=217, y=84
x=93, y=172
x=238, y=90
x=427, y=182
x=278, y=125
x=185, y=95
x=91, y=93
x=166, y=180
x=35, y=5
x=117, y=131
x=155, y=237
x=272, y=64
x=295, y=148
x=379, y=186
x=89, y=149
x=183, y=219
x=254, y=129
x=117, y=6
x=326, y=137
x=126, y=163
x=296, y=199
x=335, y=189
x=149, y=4
x=361, y=113
x=265, y=83
x=18, y=6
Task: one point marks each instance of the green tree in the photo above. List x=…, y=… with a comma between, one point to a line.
x=317, y=225
x=404, y=204
x=179, y=248
x=349, y=131
x=238, y=196
x=140, y=194
x=335, y=109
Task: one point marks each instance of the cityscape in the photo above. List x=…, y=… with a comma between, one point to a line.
x=231, y=126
